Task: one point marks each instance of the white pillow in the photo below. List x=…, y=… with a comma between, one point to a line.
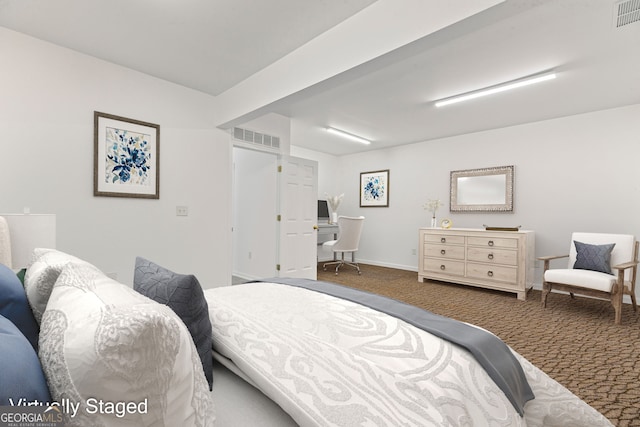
x=101, y=340
x=42, y=272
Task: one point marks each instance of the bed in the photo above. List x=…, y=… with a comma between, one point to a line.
x=328, y=355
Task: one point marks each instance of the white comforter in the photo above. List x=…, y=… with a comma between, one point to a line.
x=331, y=362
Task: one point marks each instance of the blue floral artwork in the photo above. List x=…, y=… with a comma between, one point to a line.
x=374, y=190
x=128, y=156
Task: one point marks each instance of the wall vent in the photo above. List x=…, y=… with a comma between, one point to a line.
x=258, y=139
x=626, y=12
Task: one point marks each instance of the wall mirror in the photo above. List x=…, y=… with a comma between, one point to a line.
x=482, y=190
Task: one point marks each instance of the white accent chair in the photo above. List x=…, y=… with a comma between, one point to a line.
x=5, y=243
x=349, y=231
x=623, y=265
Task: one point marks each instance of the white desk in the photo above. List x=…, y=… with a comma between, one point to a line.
x=326, y=232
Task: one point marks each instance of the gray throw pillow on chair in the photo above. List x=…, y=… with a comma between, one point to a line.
x=593, y=257
x=184, y=295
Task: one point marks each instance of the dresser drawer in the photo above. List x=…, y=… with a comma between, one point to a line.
x=444, y=266
x=493, y=242
x=444, y=239
x=492, y=272
x=444, y=251
x=493, y=256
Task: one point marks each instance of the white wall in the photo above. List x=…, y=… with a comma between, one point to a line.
x=577, y=173
x=48, y=98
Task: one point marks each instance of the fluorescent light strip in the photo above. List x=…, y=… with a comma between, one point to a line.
x=496, y=89
x=348, y=135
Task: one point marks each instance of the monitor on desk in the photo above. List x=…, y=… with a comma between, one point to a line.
x=323, y=211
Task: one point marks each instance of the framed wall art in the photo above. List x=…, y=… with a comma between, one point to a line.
x=126, y=157
x=374, y=189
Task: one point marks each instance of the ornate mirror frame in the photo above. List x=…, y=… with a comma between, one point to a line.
x=482, y=190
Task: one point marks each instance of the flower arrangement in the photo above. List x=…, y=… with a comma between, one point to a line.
x=334, y=203
x=432, y=206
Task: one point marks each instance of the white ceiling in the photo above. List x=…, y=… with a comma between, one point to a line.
x=208, y=45
x=212, y=45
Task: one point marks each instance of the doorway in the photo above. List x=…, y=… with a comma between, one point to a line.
x=254, y=211
x=273, y=216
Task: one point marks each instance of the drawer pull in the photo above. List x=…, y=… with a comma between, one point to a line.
x=443, y=240
x=490, y=243
x=443, y=252
x=490, y=256
x=442, y=267
x=490, y=273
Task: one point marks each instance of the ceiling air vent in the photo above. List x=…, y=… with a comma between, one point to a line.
x=626, y=12
x=257, y=139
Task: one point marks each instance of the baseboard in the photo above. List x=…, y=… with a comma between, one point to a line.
x=388, y=265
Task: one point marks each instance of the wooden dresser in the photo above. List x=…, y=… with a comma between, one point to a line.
x=502, y=260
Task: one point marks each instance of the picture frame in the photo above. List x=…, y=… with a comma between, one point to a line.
x=126, y=157
x=374, y=189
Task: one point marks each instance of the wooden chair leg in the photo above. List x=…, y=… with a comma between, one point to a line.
x=546, y=288
x=632, y=293
x=616, y=300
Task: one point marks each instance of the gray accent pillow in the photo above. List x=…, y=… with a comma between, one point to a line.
x=593, y=257
x=184, y=295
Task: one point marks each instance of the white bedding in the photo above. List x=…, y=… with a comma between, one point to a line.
x=331, y=362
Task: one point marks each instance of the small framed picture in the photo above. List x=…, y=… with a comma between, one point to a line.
x=126, y=157
x=374, y=189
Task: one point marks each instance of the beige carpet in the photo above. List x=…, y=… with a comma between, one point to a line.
x=573, y=341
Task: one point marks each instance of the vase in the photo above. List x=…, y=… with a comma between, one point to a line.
x=334, y=217
x=433, y=222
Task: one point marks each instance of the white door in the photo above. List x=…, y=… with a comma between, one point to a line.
x=298, y=236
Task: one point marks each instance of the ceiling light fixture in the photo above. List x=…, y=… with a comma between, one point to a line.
x=525, y=81
x=348, y=135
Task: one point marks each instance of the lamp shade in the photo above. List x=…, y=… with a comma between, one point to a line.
x=27, y=232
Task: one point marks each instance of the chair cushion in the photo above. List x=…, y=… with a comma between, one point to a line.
x=101, y=339
x=593, y=257
x=184, y=295
x=329, y=245
x=21, y=375
x=584, y=278
x=15, y=307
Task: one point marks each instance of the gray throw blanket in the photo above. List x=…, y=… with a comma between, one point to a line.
x=490, y=351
